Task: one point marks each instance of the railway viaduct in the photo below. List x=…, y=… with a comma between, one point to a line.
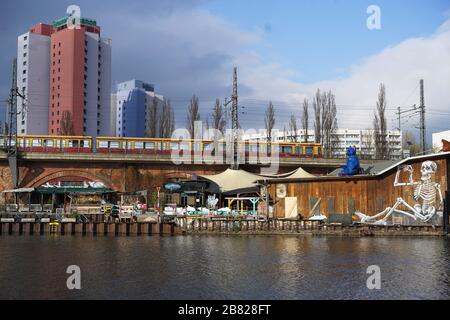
x=128, y=172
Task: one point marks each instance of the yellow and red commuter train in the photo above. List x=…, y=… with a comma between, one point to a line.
x=86, y=144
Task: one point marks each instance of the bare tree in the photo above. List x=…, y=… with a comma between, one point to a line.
x=329, y=123
x=305, y=119
x=218, y=117
x=293, y=129
x=152, y=120
x=193, y=115
x=66, y=123
x=410, y=143
x=380, y=127
x=167, y=124
x=317, y=106
x=325, y=121
x=269, y=121
x=367, y=144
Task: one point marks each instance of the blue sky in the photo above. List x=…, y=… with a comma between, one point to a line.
x=322, y=39
x=285, y=50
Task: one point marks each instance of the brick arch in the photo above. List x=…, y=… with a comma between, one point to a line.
x=49, y=176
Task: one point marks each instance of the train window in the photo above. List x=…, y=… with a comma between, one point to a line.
x=114, y=144
x=196, y=146
x=86, y=143
x=139, y=145
x=286, y=149
x=103, y=144
x=129, y=145
x=309, y=151
x=253, y=147
x=48, y=143
x=174, y=146
x=298, y=150
x=319, y=150
x=185, y=146
x=208, y=146
x=222, y=147
x=163, y=146
x=149, y=146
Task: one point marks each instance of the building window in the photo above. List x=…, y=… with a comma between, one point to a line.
x=23, y=130
x=25, y=54
x=25, y=46
x=25, y=38
x=24, y=63
x=24, y=80
x=24, y=72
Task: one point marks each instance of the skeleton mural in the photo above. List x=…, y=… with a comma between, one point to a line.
x=425, y=193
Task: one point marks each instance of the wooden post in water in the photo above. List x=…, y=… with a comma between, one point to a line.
x=446, y=214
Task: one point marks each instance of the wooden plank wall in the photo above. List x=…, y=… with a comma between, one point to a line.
x=369, y=195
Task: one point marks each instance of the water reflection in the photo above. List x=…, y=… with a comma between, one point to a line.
x=225, y=267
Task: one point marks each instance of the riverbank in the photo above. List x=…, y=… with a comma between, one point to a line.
x=219, y=227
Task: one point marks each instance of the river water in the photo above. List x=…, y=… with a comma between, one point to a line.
x=223, y=267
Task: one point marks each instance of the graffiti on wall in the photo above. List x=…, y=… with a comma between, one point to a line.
x=426, y=193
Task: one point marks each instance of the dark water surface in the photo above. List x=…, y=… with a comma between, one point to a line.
x=223, y=267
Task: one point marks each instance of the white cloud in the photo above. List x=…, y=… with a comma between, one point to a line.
x=399, y=67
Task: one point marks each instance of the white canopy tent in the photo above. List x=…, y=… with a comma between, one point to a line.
x=234, y=181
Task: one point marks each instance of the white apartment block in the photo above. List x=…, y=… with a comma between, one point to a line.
x=98, y=89
x=33, y=79
x=362, y=139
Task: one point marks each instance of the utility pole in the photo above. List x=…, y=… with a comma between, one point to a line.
x=422, y=118
x=12, y=149
x=234, y=120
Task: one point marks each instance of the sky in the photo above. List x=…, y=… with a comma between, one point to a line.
x=284, y=50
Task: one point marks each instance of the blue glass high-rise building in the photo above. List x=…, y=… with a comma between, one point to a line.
x=133, y=99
